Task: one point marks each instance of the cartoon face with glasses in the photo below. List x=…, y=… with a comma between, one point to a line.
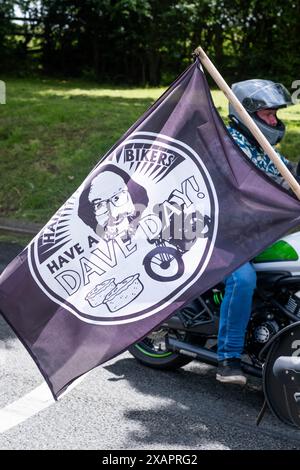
x=111, y=198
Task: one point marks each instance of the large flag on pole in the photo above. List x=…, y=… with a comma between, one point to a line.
x=172, y=209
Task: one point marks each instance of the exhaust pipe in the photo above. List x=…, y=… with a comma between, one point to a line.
x=196, y=352
x=205, y=355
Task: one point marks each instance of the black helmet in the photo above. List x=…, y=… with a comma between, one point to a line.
x=259, y=94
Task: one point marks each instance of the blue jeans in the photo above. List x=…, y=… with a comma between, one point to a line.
x=235, y=311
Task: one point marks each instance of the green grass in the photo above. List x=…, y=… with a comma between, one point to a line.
x=53, y=132
x=21, y=240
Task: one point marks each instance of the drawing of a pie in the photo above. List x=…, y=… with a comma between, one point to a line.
x=97, y=295
x=124, y=293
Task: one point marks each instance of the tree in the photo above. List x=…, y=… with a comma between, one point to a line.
x=150, y=41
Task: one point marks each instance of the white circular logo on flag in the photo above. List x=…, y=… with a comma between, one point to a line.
x=134, y=237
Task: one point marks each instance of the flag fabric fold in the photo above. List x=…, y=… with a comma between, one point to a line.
x=171, y=209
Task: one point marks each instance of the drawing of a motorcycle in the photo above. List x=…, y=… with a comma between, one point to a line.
x=165, y=262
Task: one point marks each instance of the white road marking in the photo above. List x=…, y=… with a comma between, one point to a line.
x=30, y=404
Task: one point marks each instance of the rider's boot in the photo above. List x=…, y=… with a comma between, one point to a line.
x=229, y=371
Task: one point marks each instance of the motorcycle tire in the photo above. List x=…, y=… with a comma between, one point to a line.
x=145, y=353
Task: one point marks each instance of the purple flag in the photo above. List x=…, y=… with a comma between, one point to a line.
x=172, y=209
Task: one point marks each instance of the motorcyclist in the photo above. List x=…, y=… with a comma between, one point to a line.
x=262, y=99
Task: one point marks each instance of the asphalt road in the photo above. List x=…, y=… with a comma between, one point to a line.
x=123, y=405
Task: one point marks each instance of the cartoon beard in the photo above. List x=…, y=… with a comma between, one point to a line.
x=109, y=227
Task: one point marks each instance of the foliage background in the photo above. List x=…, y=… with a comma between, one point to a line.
x=149, y=41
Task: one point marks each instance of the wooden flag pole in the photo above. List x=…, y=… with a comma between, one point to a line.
x=248, y=121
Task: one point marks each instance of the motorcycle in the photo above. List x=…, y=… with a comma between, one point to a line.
x=272, y=344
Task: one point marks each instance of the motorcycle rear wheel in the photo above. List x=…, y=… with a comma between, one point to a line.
x=152, y=352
